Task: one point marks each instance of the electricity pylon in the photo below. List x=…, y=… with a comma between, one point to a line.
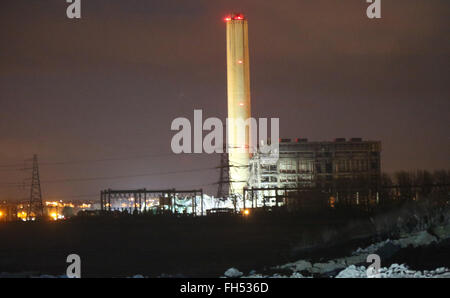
x=35, y=204
x=224, y=180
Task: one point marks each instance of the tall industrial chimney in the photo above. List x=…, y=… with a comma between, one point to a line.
x=238, y=67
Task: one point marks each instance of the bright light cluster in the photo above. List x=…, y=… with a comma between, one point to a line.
x=61, y=204
x=238, y=17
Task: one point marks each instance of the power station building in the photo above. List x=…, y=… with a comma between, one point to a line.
x=299, y=163
x=317, y=164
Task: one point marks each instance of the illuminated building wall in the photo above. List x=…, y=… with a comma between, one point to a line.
x=302, y=163
x=238, y=70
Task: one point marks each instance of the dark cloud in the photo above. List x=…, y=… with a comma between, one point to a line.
x=110, y=84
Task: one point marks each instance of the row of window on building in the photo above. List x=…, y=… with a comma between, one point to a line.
x=304, y=166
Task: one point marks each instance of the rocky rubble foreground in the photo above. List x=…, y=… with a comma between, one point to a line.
x=354, y=266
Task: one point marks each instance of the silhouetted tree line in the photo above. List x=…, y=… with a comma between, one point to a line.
x=401, y=185
x=416, y=184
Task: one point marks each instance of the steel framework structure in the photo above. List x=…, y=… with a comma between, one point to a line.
x=35, y=204
x=141, y=196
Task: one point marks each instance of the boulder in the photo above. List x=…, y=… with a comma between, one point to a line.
x=233, y=273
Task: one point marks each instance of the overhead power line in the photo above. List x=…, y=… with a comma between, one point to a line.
x=115, y=177
x=81, y=161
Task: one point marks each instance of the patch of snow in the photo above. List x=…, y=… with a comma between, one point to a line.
x=255, y=275
x=352, y=266
x=394, y=271
x=371, y=248
x=296, y=275
x=323, y=268
x=353, y=272
x=233, y=273
x=296, y=266
x=354, y=260
x=417, y=239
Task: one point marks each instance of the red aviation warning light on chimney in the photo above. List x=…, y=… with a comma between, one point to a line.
x=235, y=17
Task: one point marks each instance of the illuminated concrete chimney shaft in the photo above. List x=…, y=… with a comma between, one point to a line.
x=238, y=68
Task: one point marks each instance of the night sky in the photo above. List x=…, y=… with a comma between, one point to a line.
x=97, y=96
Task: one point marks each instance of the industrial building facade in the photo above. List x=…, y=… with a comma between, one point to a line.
x=317, y=164
x=298, y=163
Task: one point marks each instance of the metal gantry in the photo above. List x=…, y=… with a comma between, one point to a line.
x=141, y=197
